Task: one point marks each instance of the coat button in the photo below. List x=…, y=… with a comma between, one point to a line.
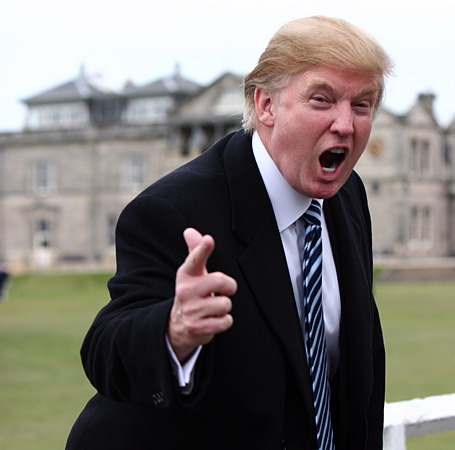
x=158, y=398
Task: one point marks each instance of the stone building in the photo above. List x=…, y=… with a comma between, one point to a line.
x=85, y=151
x=407, y=170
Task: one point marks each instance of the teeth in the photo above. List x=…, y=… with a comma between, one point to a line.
x=329, y=169
x=334, y=164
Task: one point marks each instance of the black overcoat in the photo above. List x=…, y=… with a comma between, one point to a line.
x=251, y=386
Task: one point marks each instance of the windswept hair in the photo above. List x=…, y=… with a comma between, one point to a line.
x=308, y=42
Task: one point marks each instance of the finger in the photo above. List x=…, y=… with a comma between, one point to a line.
x=220, y=284
x=204, y=286
x=196, y=261
x=192, y=238
x=209, y=326
x=208, y=307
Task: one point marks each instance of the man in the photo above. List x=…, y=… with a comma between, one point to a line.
x=4, y=279
x=205, y=343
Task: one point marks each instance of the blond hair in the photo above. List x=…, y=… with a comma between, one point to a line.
x=310, y=42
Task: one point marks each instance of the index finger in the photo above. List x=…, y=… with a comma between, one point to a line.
x=196, y=261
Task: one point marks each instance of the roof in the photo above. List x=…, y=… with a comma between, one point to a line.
x=451, y=127
x=173, y=84
x=205, y=105
x=81, y=88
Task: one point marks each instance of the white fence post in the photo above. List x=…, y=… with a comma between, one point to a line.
x=418, y=417
x=395, y=437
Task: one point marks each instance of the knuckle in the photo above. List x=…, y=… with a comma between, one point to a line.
x=184, y=291
x=192, y=328
x=181, y=292
x=218, y=278
x=225, y=304
x=225, y=323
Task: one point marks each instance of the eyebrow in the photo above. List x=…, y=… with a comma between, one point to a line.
x=368, y=90
x=321, y=85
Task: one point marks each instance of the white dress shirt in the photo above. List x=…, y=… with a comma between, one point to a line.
x=288, y=206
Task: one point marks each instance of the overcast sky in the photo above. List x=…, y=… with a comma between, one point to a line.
x=44, y=43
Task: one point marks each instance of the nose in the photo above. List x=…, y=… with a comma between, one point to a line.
x=343, y=122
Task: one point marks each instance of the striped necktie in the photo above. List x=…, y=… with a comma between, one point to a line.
x=314, y=324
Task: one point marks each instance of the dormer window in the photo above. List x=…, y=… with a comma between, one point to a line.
x=147, y=110
x=57, y=116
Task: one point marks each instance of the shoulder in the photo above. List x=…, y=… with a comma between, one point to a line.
x=353, y=195
x=198, y=189
x=351, y=203
x=198, y=175
x=354, y=186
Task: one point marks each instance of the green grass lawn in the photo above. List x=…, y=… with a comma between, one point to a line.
x=42, y=324
x=419, y=331
x=42, y=384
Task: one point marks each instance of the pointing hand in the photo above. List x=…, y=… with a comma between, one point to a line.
x=202, y=305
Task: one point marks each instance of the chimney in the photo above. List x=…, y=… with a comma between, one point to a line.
x=427, y=101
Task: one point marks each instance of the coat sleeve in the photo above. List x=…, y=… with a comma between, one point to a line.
x=375, y=411
x=124, y=353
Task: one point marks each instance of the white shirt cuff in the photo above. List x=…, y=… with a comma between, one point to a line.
x=184, y=373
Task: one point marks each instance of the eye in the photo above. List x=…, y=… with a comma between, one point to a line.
x=320, y=101
x=363, y=107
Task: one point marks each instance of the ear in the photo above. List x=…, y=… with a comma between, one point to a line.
x=263, y=102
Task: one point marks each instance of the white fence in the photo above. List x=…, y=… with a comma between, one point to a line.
x=418, y=417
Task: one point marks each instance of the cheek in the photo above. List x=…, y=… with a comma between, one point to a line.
x=291, y=162
x=364, y=130
x=362, y=137
x=358, y=151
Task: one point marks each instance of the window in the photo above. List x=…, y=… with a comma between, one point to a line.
x=149, y=109
x=420, y=226
x=133, y=172
x=42, y=241
x=42, y=235
x=426, y=224
x=65, y=115
x=43, y=177
x=230, y=102
x=140, y=110
x=425, y=159
x=106, y=110
x=375, y=187
x=111, y=224
x=420, y=157
x=161, y=107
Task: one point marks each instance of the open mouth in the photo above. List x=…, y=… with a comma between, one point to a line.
x=331, y=159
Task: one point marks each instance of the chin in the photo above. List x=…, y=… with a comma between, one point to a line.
x=324, y=191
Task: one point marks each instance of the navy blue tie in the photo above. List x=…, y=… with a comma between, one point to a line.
x=314, y=324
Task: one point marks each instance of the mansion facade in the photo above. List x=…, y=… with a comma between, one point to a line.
x=85, y=151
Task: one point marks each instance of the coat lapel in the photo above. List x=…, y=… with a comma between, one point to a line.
x=263, y=261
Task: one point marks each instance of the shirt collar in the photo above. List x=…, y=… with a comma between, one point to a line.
x=288, y=204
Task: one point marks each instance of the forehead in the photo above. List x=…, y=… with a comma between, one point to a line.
x=338, y=80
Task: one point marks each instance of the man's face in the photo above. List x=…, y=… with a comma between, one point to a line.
x=317, y=126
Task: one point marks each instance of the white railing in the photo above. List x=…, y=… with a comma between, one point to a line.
x=418, y=417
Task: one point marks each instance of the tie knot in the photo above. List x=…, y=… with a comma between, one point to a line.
x=313, y=214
